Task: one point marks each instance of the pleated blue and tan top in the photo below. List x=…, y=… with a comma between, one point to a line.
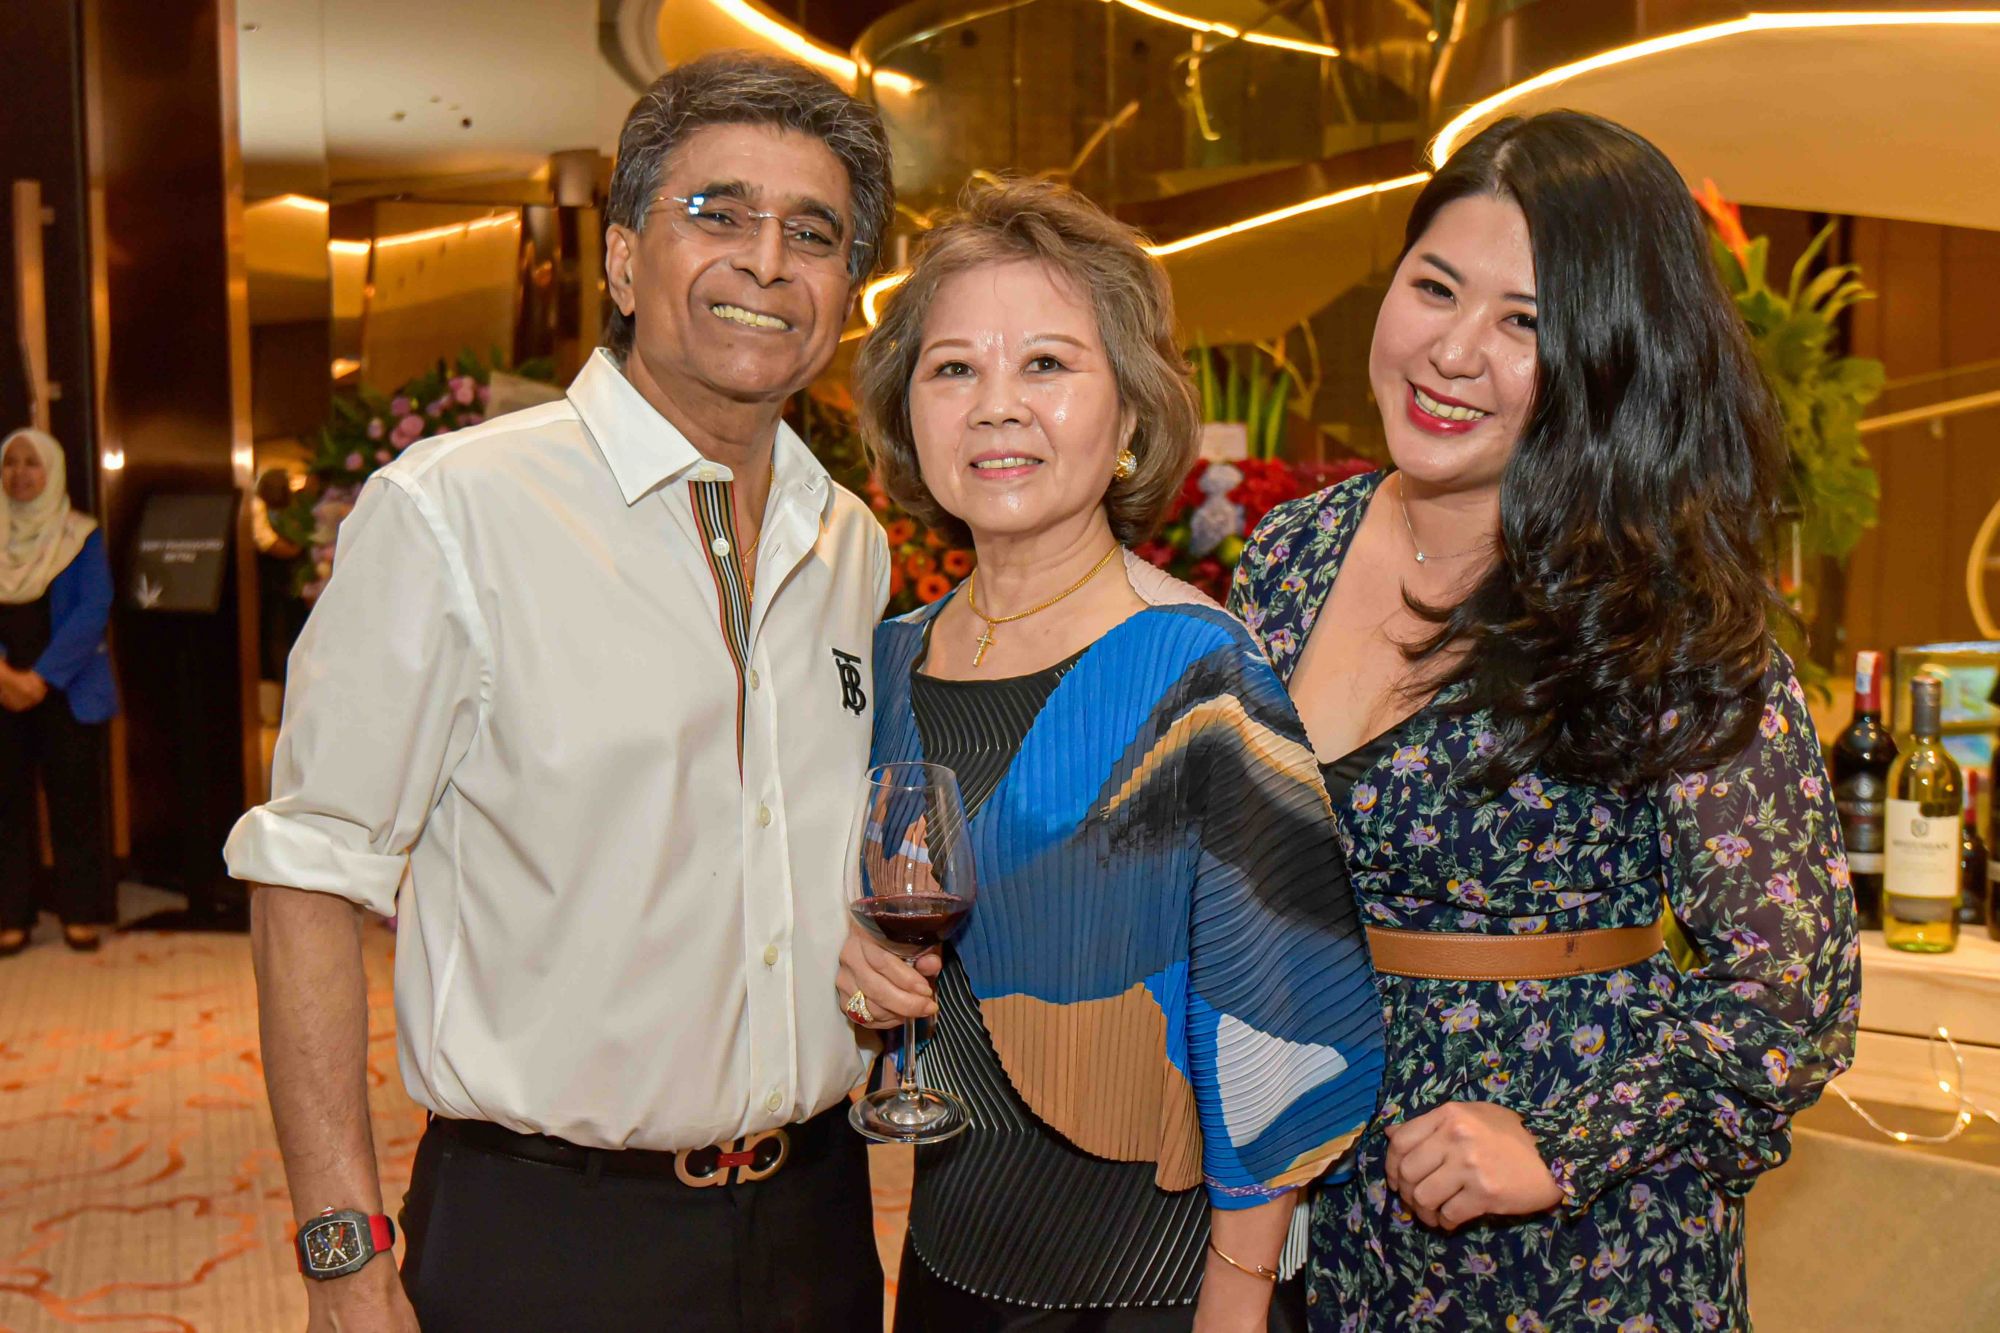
x=1164, y=965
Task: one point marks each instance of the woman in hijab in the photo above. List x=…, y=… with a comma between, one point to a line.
x=56, y=693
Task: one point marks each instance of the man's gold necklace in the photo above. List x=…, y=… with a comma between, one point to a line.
x=986, y=639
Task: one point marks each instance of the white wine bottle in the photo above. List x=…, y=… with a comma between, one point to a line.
x=1920, y=833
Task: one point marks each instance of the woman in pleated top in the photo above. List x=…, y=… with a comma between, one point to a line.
x=1160, y=1012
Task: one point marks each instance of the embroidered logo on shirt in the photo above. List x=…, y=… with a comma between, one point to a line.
x=851, y=696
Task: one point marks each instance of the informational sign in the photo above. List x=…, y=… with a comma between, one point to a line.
x=1225, y=441
x=183, y=552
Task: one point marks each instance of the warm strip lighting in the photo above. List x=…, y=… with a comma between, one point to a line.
x=448, y=231
x=1193, y=24
x=305, y=203
x=1294, y=210
x=343, y=366
x=872, y=294
x=791, y=40
x=443, y=233
x=1461, y=126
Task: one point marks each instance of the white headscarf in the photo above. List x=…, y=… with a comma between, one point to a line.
x=38, y=539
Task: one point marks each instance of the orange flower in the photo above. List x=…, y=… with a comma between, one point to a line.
x=931, y=587
x=957, y=563
x=895, y=581
x=934, y=539
x=1727, y=219
x=901, y=530
x=919, y=564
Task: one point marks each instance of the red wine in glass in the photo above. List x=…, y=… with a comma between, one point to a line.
x=911, y=884
x=909, y=924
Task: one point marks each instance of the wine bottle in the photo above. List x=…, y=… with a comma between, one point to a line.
x=1972, y=857
x=1861, y=758
x=1920, y=829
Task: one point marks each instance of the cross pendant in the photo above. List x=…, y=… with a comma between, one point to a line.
x=985, y=642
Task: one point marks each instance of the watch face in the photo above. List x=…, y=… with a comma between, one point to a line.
x=334, y=1243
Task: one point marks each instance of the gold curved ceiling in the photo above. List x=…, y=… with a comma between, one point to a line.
x=1881, y=113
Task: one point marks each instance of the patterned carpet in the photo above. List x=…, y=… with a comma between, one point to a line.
x=140, y=1184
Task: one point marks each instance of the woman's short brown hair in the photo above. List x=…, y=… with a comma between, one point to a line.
x=1101, y=258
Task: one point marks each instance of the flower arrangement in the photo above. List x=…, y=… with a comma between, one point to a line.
x=369, y=430
x=1221, y=504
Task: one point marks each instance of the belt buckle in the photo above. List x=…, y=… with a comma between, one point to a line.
x=703, y=1168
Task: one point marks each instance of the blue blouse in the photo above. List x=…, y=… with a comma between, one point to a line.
x=1164, y=949
x=77, y=660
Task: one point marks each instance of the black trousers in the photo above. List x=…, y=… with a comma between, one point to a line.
x=69, y=756
x=926, y=1303
x=496, y=1243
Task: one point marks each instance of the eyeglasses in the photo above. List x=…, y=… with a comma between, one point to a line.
x=811, y=239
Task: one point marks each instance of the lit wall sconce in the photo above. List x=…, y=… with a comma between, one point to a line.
x=114, y=460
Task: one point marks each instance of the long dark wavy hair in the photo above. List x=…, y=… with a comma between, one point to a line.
x=1624, y=631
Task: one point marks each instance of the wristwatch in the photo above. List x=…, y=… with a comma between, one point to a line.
x=335, y=1244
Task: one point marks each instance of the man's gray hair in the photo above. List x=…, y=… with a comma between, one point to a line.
x=743, y=88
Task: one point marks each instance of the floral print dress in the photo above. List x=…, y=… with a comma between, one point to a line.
x=1657, y=1096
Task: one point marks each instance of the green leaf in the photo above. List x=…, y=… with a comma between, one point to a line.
x=1805, y=262
x=1753, y=267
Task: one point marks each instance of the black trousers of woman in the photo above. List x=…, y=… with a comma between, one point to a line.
x=926, y=1303
x=68, y=756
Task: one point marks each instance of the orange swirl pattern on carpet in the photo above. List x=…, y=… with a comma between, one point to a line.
x=140, y=1184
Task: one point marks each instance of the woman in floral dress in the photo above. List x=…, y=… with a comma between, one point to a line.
x=1547, y=703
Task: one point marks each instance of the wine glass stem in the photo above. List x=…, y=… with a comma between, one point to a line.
x=911, y=1085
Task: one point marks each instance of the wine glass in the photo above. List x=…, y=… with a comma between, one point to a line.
x=911, y=886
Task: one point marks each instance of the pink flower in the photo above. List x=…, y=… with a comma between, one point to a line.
x=353, y=461
x=407, y=432
x=485, y=394
x=375, y=428
x=399, y=406
x=464, y=389
x=469, y=419
x=383, y=455
x=436, y=406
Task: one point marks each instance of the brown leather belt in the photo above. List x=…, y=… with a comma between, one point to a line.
x=1439, y=955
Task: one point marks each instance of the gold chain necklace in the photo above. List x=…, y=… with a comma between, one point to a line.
x=986, y=639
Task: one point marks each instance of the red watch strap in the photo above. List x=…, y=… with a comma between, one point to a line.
x=382, y=1231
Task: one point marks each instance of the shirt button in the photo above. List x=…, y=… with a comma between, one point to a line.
x=770, y=955
x=774, y=1101
x=764, y=816
x=705, y=473
x=720, y=546
x=753, y=678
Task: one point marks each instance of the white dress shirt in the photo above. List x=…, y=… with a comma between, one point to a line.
x=520, y=687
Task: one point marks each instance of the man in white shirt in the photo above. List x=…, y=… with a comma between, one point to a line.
x=586, y=704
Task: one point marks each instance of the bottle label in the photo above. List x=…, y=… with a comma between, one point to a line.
x=1859, y=800
x=1922, y=852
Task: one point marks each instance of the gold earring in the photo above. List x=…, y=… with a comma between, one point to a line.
x=1128, y=463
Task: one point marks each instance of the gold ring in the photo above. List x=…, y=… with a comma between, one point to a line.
x=858, y=1010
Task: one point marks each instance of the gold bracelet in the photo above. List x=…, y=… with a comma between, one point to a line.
x=1254, y=1270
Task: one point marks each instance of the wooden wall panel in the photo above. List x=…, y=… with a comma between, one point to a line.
x=1938, y=308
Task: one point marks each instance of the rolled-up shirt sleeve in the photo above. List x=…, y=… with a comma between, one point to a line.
x=385, y=694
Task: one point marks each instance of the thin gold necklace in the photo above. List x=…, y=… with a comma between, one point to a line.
x=986, y=639
x=1403, y=503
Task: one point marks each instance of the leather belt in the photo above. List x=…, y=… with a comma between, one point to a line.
x=1439, y=955
x=754, y=1157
